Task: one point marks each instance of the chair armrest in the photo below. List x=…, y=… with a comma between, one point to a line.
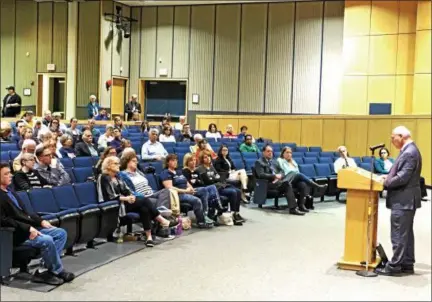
x=260, y=192
x=6, y=229
x=44, y=213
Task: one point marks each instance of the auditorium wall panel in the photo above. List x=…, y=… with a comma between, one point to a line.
x=424, y=143
x=148, y=42
x=290, y=130
x=135, y=44
x=356, y=134
x=403, y=94
x=181, y=45
x=268, y=128
x=106, y=53
x=7, y=43
x=164, y=34
x=379, y=131
x=44, y=35
x=333, y=133
x=381, y=89
x=60, y=29
x=311, y=132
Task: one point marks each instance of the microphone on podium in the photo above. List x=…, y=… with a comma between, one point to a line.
x=373, y=148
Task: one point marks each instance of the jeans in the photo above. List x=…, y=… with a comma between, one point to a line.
x=234, y=197
x=196, y=204
x=203, y=194
x=214, y=201
x=145, y=208
x=51, y=244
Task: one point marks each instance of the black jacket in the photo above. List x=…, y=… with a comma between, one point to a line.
x=222, y=166
x=11, y=111
x=11, y=216
x=109, y=191
x=82, y=149
x=22, y=183
x=263, y=170
x=193, y=177
x=128, y=109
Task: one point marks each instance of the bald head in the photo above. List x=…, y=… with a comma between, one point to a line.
x=87, y=136
x=400, y=136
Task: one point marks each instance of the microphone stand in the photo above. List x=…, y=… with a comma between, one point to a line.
x=366, y=272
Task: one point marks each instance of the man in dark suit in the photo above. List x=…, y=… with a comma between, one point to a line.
x=31, y=230
x=11, y=103
x=132, y=106
x=86, y=146
x=264, y=170
x=403, y=198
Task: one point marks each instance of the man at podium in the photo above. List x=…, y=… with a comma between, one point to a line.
x=403, y=198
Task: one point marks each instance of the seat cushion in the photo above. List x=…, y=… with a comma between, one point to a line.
x=66, y=212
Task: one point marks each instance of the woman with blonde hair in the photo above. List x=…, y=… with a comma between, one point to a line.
x=28, y=178
x=112, y=187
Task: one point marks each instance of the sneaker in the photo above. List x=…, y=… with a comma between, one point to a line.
x=66, y=276
x=47, y=278
x=150, y=243
x=238, y=217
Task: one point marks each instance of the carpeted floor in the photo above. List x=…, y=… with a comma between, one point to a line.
x=273, y=256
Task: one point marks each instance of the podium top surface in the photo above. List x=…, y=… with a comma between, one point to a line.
x=358, y=179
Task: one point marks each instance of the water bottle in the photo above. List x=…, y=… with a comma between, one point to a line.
x=179, y=229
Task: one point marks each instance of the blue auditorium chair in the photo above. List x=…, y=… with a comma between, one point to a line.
x=225, y=140
x=215, y=145
x=366, y=166
x=87, y=195
x=276, y=146
x=357, y=160
x=231, y=149
x=249, y=164
x=182, y=149
x=51, y=218
x=169, y=149
x=336, y=154
x=180, y=157
x=299, y=160
x=137, y=147
x=85, y=161
x=309, y=171
x=276, y=154
x=71, y=174
x=260, y=145
x=366, y=159
x=327, y=154
x=247, y=155
x=83, y=174
x=89, y=214
x=310, y=160
x=184, y=144
x=153, y=183
x=232, y=144
x=67, y=162
x=155, y=164
x=43, y=203
x=325, y=160
x=235, y=155
x=298, y=154
x=291, y=145
x=311, y=154
x=238, y=163
x=13, y=154
x=8, y=147
x=315, y=149
x=301, y=149
x=4, y=156
x=169, y=144
x=324, y=170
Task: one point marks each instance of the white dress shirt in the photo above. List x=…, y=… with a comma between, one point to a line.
x=342, y=163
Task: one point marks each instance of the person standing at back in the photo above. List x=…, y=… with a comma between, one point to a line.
x=11, y=103
x=403, y=199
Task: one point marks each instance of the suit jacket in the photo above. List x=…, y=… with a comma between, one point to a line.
x=11, y=111
x=129, y=107
x=11, y=216
x=403, y=180
x=263, y=170
x=82, y=149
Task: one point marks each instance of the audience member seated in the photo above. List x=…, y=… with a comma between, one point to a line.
x=193, y=177
x=73, y=130
x=210, y=176
x=44, y=136
x=86, y=146
x=67, y=150
x=167, y=135
x=213, y=132
x=187, y=194
x=28, y=118
x=136, y=117
x=290, y=171
x=91, y=126
x=243, y=133
x=145, y=126
x=264, y=169
x=53, y=175
x=224, y=164
x=38, y=126
x=248, y=145
x=93, y=107
x=344, y=161
x=230, y=132
x=28, y=178
x=204, y=146
x=179, y=125
x=152, y=149
x=54, y=127
x=185, y=134
x=31, y=230
x=97, y=170
x=118, y=123
x=138, y=183
x=62, y=126
x=19, y=125
x=5, y=131
x=47, y=118
x=197, y=138
x=29, y=146
x=27, y=133
x=55, y=150
x=112, y=187
x=106, y=138
x=103, y=115
x=117, y=140
x=124, y=145
x=165, y=123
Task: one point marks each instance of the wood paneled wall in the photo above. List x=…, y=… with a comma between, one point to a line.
x=257, y=58
x=32, y=35
x=329, y=132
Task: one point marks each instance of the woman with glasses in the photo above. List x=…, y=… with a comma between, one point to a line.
x=54, y=127
x=112, y=187
x=384, y=163
x=28, y=178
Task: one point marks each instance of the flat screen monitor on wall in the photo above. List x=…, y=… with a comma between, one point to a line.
x=380, y=108
x=164, y=97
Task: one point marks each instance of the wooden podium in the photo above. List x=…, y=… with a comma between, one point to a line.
x=357, y=183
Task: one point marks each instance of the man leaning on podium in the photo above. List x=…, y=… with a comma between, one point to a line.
x=403, y=199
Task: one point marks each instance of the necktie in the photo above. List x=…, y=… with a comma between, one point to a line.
x=346, y=163
x=271, y=167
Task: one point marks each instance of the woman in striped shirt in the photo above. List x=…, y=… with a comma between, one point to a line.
x=28, y=178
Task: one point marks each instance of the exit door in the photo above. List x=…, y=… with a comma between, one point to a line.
x=118, y=97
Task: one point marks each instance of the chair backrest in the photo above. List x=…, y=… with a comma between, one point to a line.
x=8, y=147
x=238, y=162
x=308, y=170
x=326, y=154
x=42, y=200
x=299, y=160
x=315, y=149
x=323, y=170
x=157, y=165
x=83, y=162
x=66, y=197
x=301, y=149
x=184, y=144
x=232, y=144
x=153, y=183
x=180, y=157
x=67, y=162
x=291, y=145
x=357, y=160
x=232, y=148
x=250, y=162
x=325, y=160
x=86, y=193
x=4, y=156
x=249, y=155
x=310, y=160
x=137, y=147
x=276, y=146
x=182, y=149
x=23, y=196
x=235, y=155
x=367, y=159
x=71, y=174
x=169, y=149
x=276, y=154
x=366, y=166
x=13, y=154
x=311, y=154
x=83, y=173
x=298, y=154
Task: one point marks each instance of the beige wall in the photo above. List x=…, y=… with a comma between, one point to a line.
x=272, y=58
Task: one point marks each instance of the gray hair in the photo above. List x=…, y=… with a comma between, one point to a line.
x=107, y=162
x=44, y=134
x=198, y=136
x=153, y=130
x=28, y=142
x=402, y=131
x=340, y=147
x=92, y=97
x=134, y=96
x=127, y=151
x=26, y=156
